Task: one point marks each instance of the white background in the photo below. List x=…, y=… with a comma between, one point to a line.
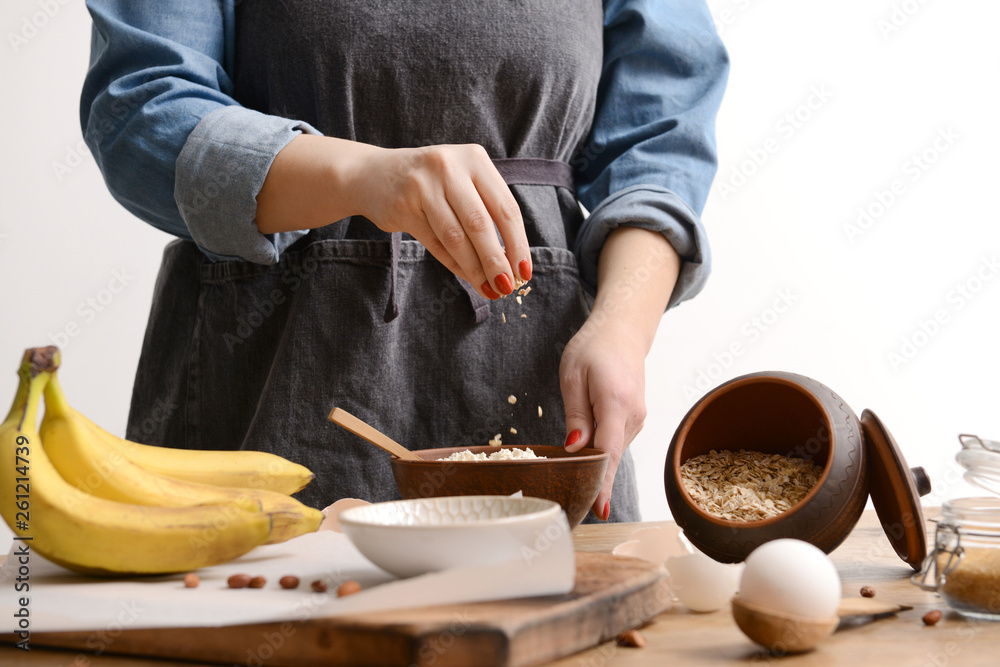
x=869, y=84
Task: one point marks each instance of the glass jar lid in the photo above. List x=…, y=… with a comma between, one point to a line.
x=981, y=460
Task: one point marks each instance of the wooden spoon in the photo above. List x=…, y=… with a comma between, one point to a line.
x=372, y=435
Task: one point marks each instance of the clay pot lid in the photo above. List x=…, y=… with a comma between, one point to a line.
x=895, y=490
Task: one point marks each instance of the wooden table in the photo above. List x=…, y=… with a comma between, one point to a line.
x=680, y=637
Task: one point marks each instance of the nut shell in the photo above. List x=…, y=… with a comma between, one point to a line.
x=631, y=639
x=348, y=588
x=932, y=617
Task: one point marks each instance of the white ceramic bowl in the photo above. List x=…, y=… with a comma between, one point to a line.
x=408, y=538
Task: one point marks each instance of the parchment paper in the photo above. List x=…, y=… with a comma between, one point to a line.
x=61, y=600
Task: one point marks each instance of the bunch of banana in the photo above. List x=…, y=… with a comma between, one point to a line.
x=95, y=461
x=86, y=503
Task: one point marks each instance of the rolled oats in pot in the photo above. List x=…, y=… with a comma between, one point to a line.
x=747, y=485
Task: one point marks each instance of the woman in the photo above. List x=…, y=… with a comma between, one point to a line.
x=338, y=172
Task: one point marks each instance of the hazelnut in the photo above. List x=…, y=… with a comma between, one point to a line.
x=319, y=586
x=239, y=580
x=631, y=638
x=191, y=580
x=348, y=588
x=257, y=582
x=932, y=617
x=867, y=592
x=289, y=581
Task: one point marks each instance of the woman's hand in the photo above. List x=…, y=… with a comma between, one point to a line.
x=451, y=198
x=602, y=371
x=602, y=377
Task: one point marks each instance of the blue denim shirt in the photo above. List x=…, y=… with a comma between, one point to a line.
x=158, y=114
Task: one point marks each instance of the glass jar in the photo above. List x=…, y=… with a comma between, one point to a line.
x=964, y=567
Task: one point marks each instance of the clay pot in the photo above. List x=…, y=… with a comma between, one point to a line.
x=776, y=413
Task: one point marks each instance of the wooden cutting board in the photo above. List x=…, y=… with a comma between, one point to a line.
x=611, y=594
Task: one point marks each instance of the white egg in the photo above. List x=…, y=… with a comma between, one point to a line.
x=791, y=577
x=701, y=583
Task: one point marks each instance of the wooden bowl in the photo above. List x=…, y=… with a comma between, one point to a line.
x=570, y=479
x=776, y=413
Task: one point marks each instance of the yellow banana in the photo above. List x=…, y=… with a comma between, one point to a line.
x=92, y=535
x=239, y=468
x=85, y=456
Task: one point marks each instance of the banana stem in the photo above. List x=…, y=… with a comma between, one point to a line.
x=36, y=368
x=20, y=400
x=40, y=360
x=55, y=400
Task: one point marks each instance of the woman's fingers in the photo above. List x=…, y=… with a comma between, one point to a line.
x=480, y=234
x=573, y=384
x=610, y=437
x=450, y=237
x=425, y=235
x=594, y=412
x=506, y=215
x=453, y=200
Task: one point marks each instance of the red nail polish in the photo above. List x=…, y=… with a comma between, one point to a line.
x=504, y=284
x=573, y=437
x=524, y=267
x=489, y=291
x=607, y=509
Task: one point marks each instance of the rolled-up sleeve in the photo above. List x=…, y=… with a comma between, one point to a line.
x=650, y=158
x=173, y=145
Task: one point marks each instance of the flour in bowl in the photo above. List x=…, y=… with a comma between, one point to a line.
x=501, y=455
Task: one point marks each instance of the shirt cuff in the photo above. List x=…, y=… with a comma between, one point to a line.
x=220, y=170
x=657, y=209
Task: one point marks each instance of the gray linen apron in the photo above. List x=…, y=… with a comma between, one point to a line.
x=243, y=356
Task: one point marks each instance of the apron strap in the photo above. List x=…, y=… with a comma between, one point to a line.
x=515, y=171
x=536, y=171
x=392, y=308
